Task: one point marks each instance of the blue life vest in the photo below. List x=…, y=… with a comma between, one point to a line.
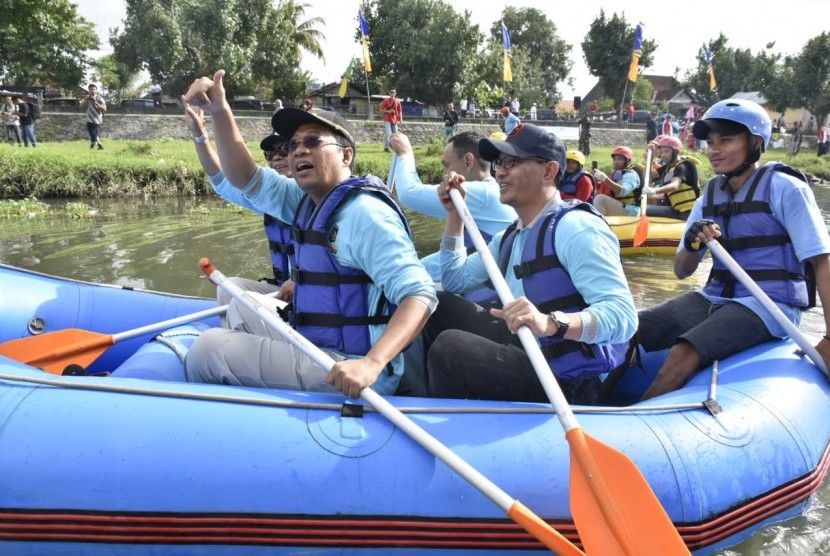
x=756, y=240
x=280, y=247
x=568, y=183
x=330, y=300
x=550, y=288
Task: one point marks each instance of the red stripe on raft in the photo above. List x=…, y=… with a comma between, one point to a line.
x=357, y=531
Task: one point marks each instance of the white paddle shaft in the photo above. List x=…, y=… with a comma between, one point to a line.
x=324, y=360
x=170, y=323
x=534, y=352
x=390, y=179
x=646, y=183
x=729, y=262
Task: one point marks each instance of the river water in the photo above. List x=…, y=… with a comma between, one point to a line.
x=156, y=244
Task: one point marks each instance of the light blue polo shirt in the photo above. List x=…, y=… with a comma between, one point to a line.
x=587, y=249
x=370, y=236
x=490, y=215
x=629, y=181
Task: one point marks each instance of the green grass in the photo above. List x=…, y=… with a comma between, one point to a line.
x=129, y=168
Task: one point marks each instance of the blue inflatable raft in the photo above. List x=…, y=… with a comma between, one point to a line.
x=140, y=463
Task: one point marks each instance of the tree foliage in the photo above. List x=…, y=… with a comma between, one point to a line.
x=741, y=70
x=179, y=40
x=118, y=80
x=607, y=49
x=421, y=47
x=811, y=77
x=44, y=42
x=540, y=57
x=304, y=32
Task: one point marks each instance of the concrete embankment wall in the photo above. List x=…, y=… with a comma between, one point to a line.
x=70, y=126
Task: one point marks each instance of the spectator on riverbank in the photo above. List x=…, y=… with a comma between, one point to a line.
x=392, y=110
x=450, y=120
x=585, y=135
x=95, y=108
x=795, y=145
x=155, y=93
x=510, y=120
x=12, y=121
x=27, y=122
x=651, y=129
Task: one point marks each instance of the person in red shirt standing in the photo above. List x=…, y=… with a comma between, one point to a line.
x=822, y=140
x=631, y=112
x=392, y=115
x=667, y=127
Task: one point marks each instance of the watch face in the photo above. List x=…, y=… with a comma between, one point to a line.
x=562, y=323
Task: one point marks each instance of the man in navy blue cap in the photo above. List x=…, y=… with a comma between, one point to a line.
x=561, y=262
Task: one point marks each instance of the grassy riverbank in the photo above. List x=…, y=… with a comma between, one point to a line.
x=130, y=168
x=147, y=168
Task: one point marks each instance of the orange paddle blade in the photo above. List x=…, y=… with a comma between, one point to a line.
x=641, y=232
x=52, y=352
x=613, y=506
x=546, y=534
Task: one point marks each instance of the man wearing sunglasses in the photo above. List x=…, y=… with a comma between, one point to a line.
x=561, y=261
x=361, y=293
x=277, y=232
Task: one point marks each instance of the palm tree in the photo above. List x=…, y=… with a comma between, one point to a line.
x=304, y=36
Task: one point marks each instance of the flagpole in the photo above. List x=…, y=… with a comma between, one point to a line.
x=622, y=103
x=368, y=98
x=367, y=64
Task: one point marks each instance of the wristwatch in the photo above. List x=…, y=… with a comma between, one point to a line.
x=562, y=323
x=200, y=138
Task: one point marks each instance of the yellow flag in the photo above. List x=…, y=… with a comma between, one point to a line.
x=344, y=85
x=707, y=54
x=508, y=68
x=364, y=33
x=635, y=55
x=367, y=63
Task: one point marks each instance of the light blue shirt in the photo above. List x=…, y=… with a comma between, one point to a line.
x=590, y=253
x=510, y=122
x=629, y=181
x=370, y=236
x=231, y=194
x=794, y=206
x=489, y=213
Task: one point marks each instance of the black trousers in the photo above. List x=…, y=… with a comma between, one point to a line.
x=471, y=354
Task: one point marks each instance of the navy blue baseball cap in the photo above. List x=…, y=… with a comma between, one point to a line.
x=525, y=141
x=270, y=142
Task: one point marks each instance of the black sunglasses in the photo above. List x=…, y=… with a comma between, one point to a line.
x=281, y=150
x=310, y=142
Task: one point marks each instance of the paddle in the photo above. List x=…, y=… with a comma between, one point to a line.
x=641, y=232
x=390, y=179
x=614, y=509
x=730, y=263
x=515, y=509
x=54, y=351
